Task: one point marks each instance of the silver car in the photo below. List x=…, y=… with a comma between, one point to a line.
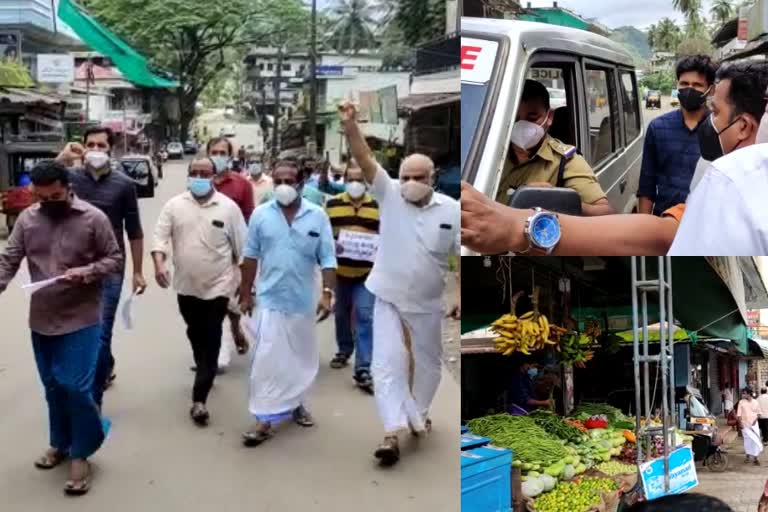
x=599, y=112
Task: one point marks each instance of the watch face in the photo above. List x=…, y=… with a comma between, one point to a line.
x=545, y=231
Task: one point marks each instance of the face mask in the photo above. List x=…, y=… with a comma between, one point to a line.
x=414, y=191
x=221, y=163
x=255, y=170
x=199, y=187
x=691, y=99
x=285, y=194
x=762, y=131
x=97, y=160
x=527, y=135
x=533, y=372
x=54, y=209
x=356, y=189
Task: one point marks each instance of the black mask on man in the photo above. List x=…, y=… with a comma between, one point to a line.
x=55, y=209
x=709, y=141
x=691, y=99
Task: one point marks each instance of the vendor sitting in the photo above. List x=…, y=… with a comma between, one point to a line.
x=521, y=388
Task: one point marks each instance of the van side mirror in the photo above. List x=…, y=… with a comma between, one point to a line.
x=560, y=200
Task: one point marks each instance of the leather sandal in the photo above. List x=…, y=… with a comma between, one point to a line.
x=388, y=452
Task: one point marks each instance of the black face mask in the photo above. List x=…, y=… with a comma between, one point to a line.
x=55, y=209
x=709, y=139
x=691, y=99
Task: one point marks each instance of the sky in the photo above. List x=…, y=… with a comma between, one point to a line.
x=617, y=13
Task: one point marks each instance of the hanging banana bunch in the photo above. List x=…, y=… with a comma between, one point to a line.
x=525, y=334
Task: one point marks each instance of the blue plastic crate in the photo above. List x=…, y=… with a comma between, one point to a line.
x=470, y=441
x=464, y=429
x=485, y=480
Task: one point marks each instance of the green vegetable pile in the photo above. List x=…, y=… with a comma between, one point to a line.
x=555, y=425
x=613, y=468
x=576, y=496
x=586, y=410
x=529, y=442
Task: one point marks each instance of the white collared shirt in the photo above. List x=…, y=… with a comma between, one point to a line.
x=206, y=241
x=727, y=213
x=414, y=246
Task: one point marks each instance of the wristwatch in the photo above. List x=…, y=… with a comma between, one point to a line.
x=542, y=230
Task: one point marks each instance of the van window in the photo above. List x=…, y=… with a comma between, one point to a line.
x=558, y=81
x=631, y=109
x=472, y=98
x=601, y=116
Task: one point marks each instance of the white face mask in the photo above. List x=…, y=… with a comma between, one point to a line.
x=356, y=189
x=285, y=194
x=97, y=160
x=527, y=135
x=255, y=170
x=762, y=131
x=414, y=191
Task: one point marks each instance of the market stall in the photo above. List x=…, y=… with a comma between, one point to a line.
x=606, y=393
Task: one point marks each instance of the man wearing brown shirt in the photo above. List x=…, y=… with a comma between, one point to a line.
x=65, y=238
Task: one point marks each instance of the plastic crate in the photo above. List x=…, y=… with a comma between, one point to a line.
x=464, y=429
x=485, y=480
x=470, y=441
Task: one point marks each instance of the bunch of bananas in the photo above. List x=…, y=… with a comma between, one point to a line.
x=574, y=349
x=593, y=329
x=524, y=334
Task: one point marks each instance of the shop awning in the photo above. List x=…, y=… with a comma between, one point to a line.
x=28, y=96
x=416, y=102
x=703, y=303
x=759, y=346
x=134, y=66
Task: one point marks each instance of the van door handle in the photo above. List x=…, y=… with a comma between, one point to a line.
x=623, y=186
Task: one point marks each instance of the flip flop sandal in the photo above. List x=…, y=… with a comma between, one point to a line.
x=302, y=418
x=339, y=361
x=427, y=428
x=255, y=438
x=47, y=462
x=79, y=487
x=199, y=416
x=388, y=452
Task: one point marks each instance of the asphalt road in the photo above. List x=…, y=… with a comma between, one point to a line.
x=156, y=460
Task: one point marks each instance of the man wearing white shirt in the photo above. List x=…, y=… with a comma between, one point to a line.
x=205, y=231
x=419, y=230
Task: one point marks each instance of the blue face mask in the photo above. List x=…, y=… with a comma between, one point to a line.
x=533, y=372
x=221, y=163
x=199, y=187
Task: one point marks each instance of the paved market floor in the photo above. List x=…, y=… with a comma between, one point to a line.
x=156, y=460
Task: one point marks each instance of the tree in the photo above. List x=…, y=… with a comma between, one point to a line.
x=666, y=36
x=694, y=46
x=687, y=7
x=652, y=35
x=353, y=22
x=193, y=39
x=721, y=11
x=420, y=20
x=14, y=74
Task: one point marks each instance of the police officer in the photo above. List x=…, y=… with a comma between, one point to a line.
x=537, y=159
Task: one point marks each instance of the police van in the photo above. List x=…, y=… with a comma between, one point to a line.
x=593, y=89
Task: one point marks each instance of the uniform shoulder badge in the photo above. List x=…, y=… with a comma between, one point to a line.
x=562, y=148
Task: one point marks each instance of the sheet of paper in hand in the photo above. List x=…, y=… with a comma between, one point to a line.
x=358, y=246
x=31, y=288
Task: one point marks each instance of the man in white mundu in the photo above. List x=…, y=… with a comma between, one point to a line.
x=419, y=230
x=287, y=238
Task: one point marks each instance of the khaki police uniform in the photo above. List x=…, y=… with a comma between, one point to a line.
x=545, y=167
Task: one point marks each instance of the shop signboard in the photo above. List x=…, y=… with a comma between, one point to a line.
x=55, y=68
x=753, y=317
x=682, y=474
x=329, y=71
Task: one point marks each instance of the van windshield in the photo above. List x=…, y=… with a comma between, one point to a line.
x=472, y=98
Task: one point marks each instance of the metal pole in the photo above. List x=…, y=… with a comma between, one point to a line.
x=276, y=126
x=313, y=78
x=125, y=125
x=636, y=359
x=663, y=363
x=88, y=90
x=646, y=379
x=671, y=319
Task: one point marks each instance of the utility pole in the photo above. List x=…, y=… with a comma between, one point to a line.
x=88, y=75
x=275, y=128
x=125, y=124
x=313, y=78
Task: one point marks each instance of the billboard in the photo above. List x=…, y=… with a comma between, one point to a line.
x=55, y=68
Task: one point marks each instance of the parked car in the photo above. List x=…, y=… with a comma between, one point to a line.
x=191, y=147
x=593, y=70
x=142, y=171
x=653, y=100
x=175, y=150
x=674, y=102
x=228, y=131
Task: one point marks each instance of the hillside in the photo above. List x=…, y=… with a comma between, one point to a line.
x=633, y=38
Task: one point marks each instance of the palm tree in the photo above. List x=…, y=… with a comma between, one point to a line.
x=687, y=7
x=721, y=11
x=667, y=36
x=652, y=35
x=353, y=22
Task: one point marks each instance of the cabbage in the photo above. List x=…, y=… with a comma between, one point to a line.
x=569, y=472
x=532, y=487
x=597, y=433
x=548, y=482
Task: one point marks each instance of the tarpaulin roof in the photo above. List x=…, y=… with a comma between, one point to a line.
x=28, y=96
x=134, y=66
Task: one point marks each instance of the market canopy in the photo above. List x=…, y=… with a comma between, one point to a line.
x=134, y=66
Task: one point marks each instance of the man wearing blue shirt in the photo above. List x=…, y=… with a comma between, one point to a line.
x=287, y=239
x=671, y=149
